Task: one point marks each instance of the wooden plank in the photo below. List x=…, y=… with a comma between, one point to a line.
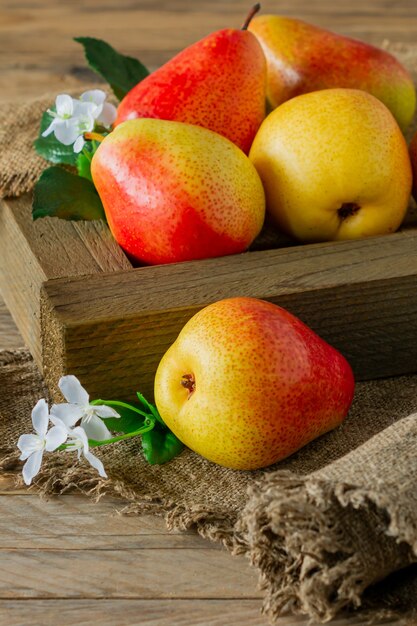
x=161, y=612
x=38, y=55
x=32, y=252
x=361, y=296
x=136, y=612
x=10, y=337
x=147, y=573
x=76, y=523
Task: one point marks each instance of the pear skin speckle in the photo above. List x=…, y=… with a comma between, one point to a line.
x=325, y=151
x=177, y=192
x=264, y=384
x=218, y=83
x=302, y=58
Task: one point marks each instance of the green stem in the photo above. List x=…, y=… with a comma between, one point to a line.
x=135, y=433
x=88, y=155
x=149, y=425
x=122, y=404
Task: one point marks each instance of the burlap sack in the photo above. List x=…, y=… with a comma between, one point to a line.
x=323, y=527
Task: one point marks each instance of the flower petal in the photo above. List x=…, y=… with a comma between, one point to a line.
x=64, y=105
x=95, y=428
x=40, y=417
x=108, y=115
x=104, y=411
x=67, y=413
x=85, y=123
x=97, y=96
x=72, y=390
x=55, y=122
x=78, y=144
x=28, y=444
x=68, y=131
x=55, y=437
x=32, y=466
x=80, y=435
x=87, y=109
x=96, y=463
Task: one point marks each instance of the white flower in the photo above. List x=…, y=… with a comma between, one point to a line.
x=78, y=441
x=79, y=408
x=32, y=447
x=104, y=113
x=73, y=118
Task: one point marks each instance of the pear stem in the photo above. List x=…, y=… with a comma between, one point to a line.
x=94, y=137
x=254, y=10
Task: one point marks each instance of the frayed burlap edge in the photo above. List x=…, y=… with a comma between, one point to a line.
x=320, y=543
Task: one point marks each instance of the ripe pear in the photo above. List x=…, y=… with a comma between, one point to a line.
x=246, y=384
x=218, y=83
x=176, y=192
x=303, y=58
x=413, y=157
x=334, y=165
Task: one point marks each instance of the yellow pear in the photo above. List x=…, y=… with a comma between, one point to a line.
x=334, y=165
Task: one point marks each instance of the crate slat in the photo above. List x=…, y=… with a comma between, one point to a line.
x=359, y=295
x=34, y=252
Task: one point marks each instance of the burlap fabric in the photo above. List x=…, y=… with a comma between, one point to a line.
x=323, y=527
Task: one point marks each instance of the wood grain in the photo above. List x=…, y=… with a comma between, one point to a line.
x=10, y=337
x=360, y=296
x=33, y=252
x=37, y=55
x=178, y=612
x=161, y=612
x=75, y=523
x=131, y=573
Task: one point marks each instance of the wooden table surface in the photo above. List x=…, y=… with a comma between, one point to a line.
x=69, y=561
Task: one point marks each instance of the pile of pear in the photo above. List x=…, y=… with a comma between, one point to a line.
x=194, y=161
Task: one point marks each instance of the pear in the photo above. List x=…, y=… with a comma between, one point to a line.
x=334, y=165
x=413, y=157
x=303, y=58
x=246, y=384
x=176, y=192
x=218, y=83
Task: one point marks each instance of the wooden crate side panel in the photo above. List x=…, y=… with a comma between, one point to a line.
x=65, y=248
x=265, y=274
x=374, y=326
x=32, y=252
x=359, y=296
x=21, y=277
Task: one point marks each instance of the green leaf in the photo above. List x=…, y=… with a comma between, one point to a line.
x=128, y=422
x=50, y=148
x=84, y=166
x=150, y=408
x=121, y=72
x=160, y=445
x=58, y=193
x=84, y=159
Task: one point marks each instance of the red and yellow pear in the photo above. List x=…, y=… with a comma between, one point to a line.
x=246, y=384
x=218, y=83
x=413, y=157
x=177, y=192
x=303, y=58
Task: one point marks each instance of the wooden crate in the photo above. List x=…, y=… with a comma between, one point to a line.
x=83, y=309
